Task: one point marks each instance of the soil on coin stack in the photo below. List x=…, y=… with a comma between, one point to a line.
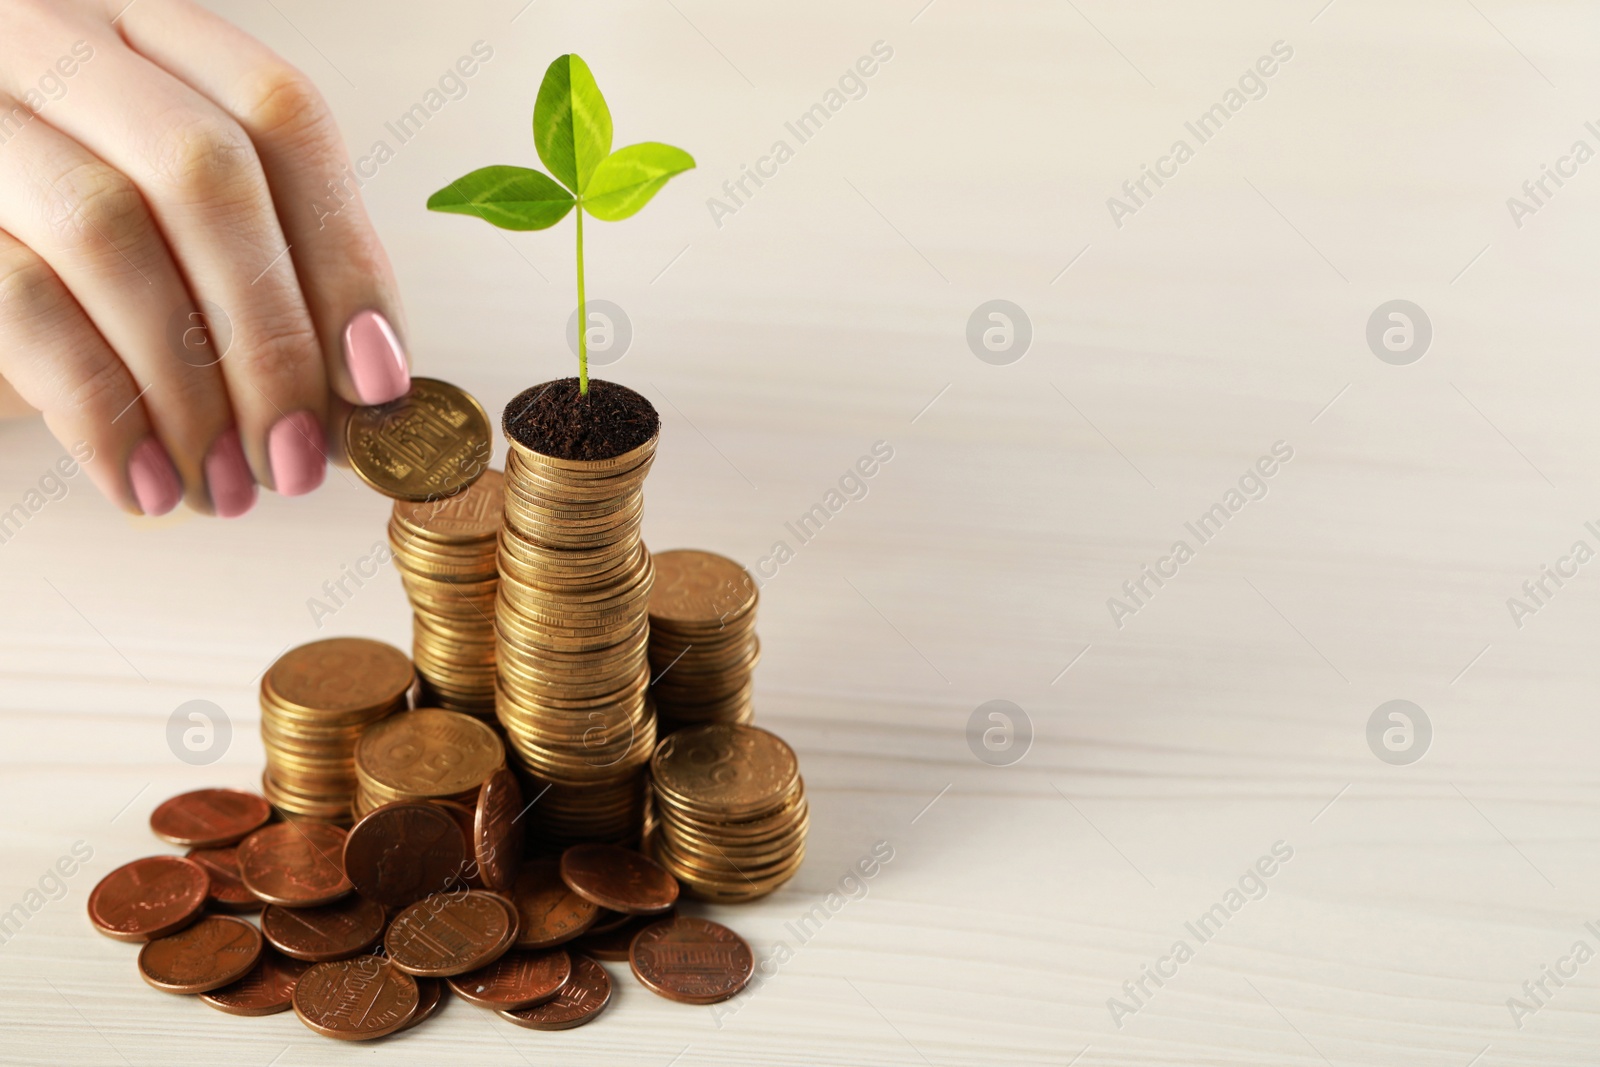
x=556, y=420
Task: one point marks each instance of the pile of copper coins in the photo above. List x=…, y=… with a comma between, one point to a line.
x=364, y=932
x=703, y=644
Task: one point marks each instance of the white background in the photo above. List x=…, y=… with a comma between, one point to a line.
x=1227, y=314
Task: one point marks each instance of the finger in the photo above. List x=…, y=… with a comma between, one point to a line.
x=200, y=176
x=89, y=223
x=60, y=364
x=12, y=406
x=343, y=269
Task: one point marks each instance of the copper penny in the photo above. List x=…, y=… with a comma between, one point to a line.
x=401, y=852
x=498, y=830
x=465, y=818
x=609, y=920
x=228, y=892
x=356, y=999
x=295, y=863
x=584, y=996
x=548, y=912
x=209, y=818
x=430, y=994
x=267, y=989
x=613, y=944
x=694, y=961
x=331, y=932
x=206, y=955
x=451, y=933
x=151, y=897
x=515, y=980
x=618, y=878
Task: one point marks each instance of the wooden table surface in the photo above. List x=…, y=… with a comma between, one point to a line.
x=1216, y=718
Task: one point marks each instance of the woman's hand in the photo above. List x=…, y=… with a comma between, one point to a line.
x=169, y=293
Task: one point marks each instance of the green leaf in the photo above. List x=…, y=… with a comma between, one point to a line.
x=512, y=198
x=571, y=123
x=625, y=180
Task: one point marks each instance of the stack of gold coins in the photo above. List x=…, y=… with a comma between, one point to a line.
x=732, y=810
x=572, y=628
x=315, y=701
x=426, y=754
x=445, y=553
x=703, y=644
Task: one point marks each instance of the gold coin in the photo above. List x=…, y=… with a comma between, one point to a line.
x=338, y=677
x=429, y=444
x=429, y=752
x=725, y=766
x=698, y=587
x=472, y=515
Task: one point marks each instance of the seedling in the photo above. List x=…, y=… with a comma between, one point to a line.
x=572, y=131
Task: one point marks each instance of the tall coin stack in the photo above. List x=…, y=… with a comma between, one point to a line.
x=315, y=701
x=703, y=644
x=445, y=553
x=571, y=620
x=731, y=809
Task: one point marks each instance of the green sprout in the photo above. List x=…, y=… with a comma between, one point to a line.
x=572, y=131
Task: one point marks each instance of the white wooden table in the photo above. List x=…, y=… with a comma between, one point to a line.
x=827, y=312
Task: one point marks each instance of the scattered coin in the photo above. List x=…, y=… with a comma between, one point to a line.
x=330, y=932
x=618, y=878
x=208, y=954
x=466, y=819
x=609, y=920
x=691, y=960
x=584, y=996
x=297, y=864
x=401, y=852
x=613, y=944
x=267, y=989
x=209, y=818
x=549, y=912
x=498, y=831
x=430, y=994
x=451, y=933
x=356, y=999
x=149, y=898
x=228, y=892
x=431, y=443
x=515, y=980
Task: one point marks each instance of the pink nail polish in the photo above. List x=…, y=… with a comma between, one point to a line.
x=153, y=478
x=228, y=477
x=373, y=355
x=295, y=448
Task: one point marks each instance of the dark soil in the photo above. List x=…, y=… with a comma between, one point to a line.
x=554, y=419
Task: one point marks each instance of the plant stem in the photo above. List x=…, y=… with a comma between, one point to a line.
x=583, y=317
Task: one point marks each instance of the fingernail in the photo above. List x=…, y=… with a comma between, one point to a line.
x=295, y=450
x=376, y=362
x=228, y=477
x=153, y=478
